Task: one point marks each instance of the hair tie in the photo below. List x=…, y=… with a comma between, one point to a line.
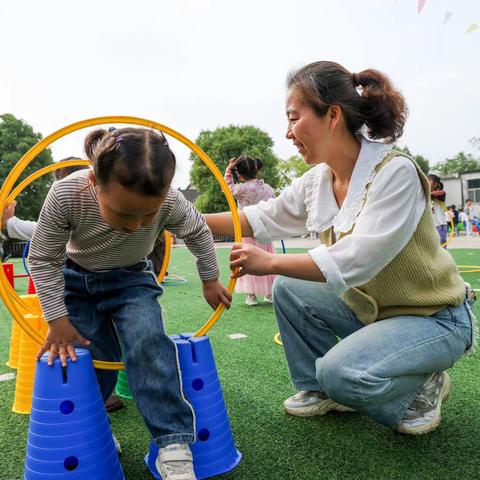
x=119, y=139
x=356, y=79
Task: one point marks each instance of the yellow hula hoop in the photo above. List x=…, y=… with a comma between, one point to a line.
x=8, y=294
x=166, y=258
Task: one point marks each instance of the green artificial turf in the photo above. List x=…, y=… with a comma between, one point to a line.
x=255, y=382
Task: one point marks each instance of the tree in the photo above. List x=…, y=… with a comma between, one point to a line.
x=16, y=138
x=422, y=162
x=290, y=169
x=460, y=163
x=475, y=142
x=221, y=145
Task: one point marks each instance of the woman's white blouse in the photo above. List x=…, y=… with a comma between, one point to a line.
x=383, y=224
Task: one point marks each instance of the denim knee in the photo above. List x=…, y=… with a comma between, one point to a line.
x=338, y=380
x=280, y=288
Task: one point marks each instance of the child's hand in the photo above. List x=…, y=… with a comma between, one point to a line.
x=215, y=294
x=250, y=260
x=60, y=338
x=231, y=164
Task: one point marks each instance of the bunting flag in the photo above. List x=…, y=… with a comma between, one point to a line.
x=471, y=28
x=448, y=16
x=421, y=4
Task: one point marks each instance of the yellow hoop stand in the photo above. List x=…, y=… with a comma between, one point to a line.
x=8, y=294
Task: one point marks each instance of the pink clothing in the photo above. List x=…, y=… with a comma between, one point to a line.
x=250, y=193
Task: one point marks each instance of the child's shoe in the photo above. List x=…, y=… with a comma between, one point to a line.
x=267, y=299
x=251, y=300
x=175, y=462
x=118, y=447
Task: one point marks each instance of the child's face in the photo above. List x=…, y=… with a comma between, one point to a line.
x=125, y=210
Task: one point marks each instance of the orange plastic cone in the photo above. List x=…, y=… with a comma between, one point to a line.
x=27, y=359
x=12, y=361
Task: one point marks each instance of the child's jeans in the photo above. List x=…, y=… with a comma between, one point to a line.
x=124, y=301
x=376, y=369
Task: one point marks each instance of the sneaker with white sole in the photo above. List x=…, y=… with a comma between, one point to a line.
x=267, y=299
x=118, y=447
x=424, y=413
x=309, y=404
x=175, y=462
x=251, y=300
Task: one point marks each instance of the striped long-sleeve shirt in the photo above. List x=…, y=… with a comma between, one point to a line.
x=70, y=224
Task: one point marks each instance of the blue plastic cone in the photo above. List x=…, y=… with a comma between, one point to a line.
x=69, y=437
x=214, y=451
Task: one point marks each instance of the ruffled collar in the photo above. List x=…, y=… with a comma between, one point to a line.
x=322, y=209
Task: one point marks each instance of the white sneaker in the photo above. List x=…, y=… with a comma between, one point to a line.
x=118, y=447
x=423, y=415
x=175, y=462
x=267, y=299
x=308, y=404
x=251, y=300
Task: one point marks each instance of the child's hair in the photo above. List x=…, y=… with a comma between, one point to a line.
x=248, y=167
x=379, y=105
x=137, y=158
x=436, y=181
x=61, y=173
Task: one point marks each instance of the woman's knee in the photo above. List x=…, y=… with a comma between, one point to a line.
x=338, y=379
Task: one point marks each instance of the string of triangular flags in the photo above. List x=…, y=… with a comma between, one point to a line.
x=447, y=17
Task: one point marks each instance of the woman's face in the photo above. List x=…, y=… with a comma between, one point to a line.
x=308, y=132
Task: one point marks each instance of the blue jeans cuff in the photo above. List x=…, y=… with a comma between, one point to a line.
x=166, y=440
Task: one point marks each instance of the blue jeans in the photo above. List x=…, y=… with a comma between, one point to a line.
x=376, y=369
x=122, y=304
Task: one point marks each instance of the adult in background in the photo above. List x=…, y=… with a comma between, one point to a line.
x=379, y=281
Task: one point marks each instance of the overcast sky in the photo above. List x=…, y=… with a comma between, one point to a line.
x=201, y=64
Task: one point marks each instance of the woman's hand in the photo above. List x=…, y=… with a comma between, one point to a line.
x=8, y=213
x=215, y=294
x=60, y=339
x=250, y=260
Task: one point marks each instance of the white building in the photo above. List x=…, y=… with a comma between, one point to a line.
x=461, y=187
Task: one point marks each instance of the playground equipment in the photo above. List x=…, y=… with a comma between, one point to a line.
x=69, y=437
x=214, y=452
x=46, y=457
x=11, y=299
x=122, y=388
x=27, y=353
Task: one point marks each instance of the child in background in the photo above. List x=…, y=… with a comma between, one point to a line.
x=106, y=222
x=454, y=217
x=462, y=217
x=469, y=212
x=438, y=196
x=241, y=177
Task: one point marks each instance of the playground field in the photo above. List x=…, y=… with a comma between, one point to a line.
x=255, y=382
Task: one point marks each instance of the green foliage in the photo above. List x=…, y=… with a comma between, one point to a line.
x=16, y=138
x=290, y=169
x=422, y=162
x=460, y=163
x=221, y=145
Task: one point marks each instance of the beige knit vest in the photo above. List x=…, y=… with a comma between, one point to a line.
x=421, y=280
